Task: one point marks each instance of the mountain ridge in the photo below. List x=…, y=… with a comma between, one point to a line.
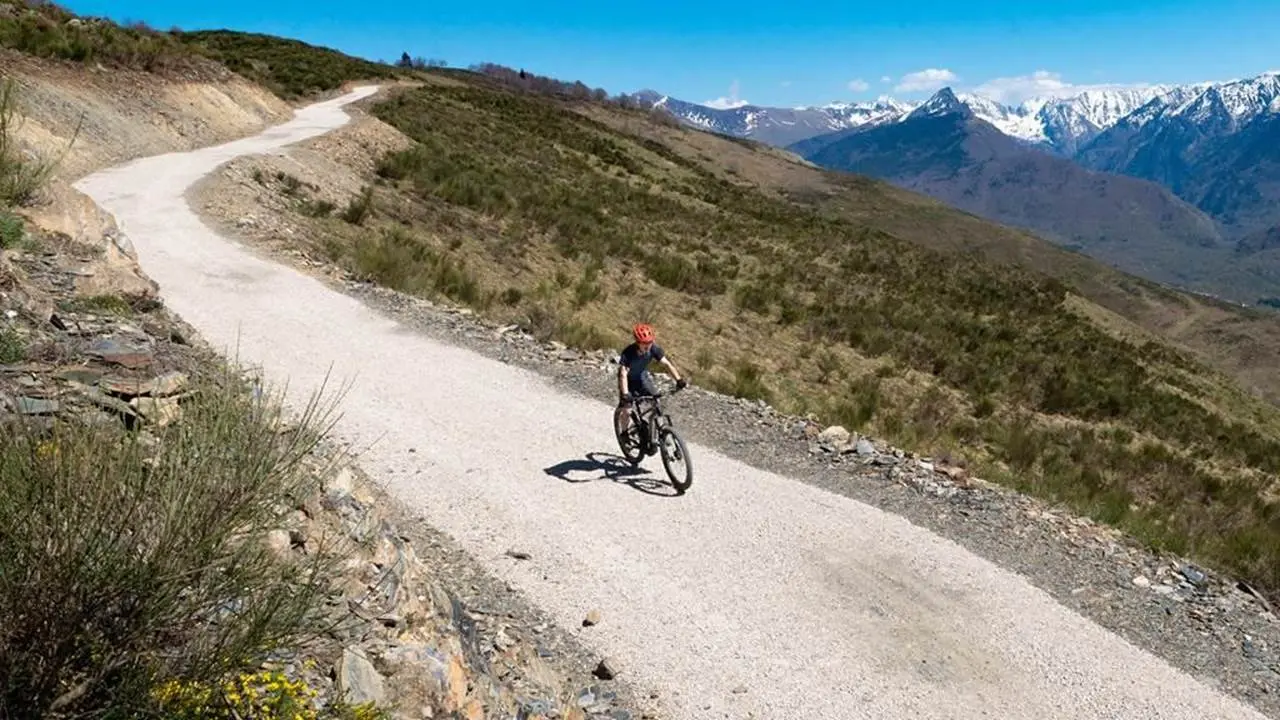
x=1213, y=146
x=947, y=151
x=1061, y=123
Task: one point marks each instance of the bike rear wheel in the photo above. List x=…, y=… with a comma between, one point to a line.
x=675, y=459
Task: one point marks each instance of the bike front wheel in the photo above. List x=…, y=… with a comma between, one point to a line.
x=675, y=459
x=628, y=440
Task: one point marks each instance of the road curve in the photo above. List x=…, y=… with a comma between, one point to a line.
x=817, y=605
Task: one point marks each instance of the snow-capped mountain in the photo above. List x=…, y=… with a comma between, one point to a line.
x=777, y=126
x=1216, y=145
x=1060, y=124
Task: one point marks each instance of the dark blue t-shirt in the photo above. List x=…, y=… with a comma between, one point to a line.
x=637, y=362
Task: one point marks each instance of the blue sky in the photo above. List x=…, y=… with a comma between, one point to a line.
x=772, y=53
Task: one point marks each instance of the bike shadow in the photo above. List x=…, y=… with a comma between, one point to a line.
x=608, y=466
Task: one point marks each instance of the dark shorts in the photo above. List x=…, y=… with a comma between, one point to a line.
x=642, y=386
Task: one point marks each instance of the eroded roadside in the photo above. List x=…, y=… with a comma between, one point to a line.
x=1206, y=625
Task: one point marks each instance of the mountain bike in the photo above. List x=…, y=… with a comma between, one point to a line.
x=650, y=423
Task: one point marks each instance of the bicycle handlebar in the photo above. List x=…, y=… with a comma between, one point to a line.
x=659, y=394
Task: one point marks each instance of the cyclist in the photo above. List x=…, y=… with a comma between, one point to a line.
x=634, y=379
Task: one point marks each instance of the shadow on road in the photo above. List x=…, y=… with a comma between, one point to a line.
x=607, y=466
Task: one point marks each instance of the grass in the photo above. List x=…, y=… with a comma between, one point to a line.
x=824, y=293
x=107, y=304
x=289, y=68
x=47, y=30
x=21, y=175
x=152, y=552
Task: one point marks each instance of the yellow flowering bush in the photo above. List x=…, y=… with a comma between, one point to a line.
x=256, y=696
x=261, y=696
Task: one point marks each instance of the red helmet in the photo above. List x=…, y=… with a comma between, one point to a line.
x=642, y=332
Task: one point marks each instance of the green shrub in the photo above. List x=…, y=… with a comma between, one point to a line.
x=360, y=207
x=12, y=230
x=124, y=563
x=21, y=175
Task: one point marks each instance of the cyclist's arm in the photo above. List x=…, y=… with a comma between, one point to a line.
x=622, y=376
x=666, y=362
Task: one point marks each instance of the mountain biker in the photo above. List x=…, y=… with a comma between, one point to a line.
x=634, y=379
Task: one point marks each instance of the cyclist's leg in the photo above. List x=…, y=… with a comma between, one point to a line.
x=644, y=388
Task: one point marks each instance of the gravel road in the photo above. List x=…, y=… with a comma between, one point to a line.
x=754, y=595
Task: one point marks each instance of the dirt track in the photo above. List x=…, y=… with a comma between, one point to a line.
x=816, y=605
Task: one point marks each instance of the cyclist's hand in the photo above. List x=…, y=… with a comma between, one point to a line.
x=682, y=384
x=624, y=398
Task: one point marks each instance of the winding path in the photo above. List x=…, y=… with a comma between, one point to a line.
x=819, y=606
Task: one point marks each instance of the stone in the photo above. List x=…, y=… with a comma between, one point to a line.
x=358, y=681
x=86, y=376
x=133, y=353
x=103, y=400
x=605, y=670
x=160, y=411
x=35, y=406
x=164, y=385
x=502, y=641
x=1142, y=582
x=592, y=618
x=456, y=688
x=864, y=447
x=1194, y=575
x=341, y=483
x=835, y=436
x=279, y=542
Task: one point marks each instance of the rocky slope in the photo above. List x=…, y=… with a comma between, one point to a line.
x=1216, y=628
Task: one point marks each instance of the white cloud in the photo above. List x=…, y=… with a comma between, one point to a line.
x=926, y=80
x=727, y=103
x=886, y=79
x=859, y=85
x=1041, y=83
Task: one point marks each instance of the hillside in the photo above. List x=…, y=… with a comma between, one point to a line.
x=945, y=151
x=290, y=69
x=821, y=292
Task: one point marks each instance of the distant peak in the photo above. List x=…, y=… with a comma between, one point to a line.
x=651, y=97
x=943, y=102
